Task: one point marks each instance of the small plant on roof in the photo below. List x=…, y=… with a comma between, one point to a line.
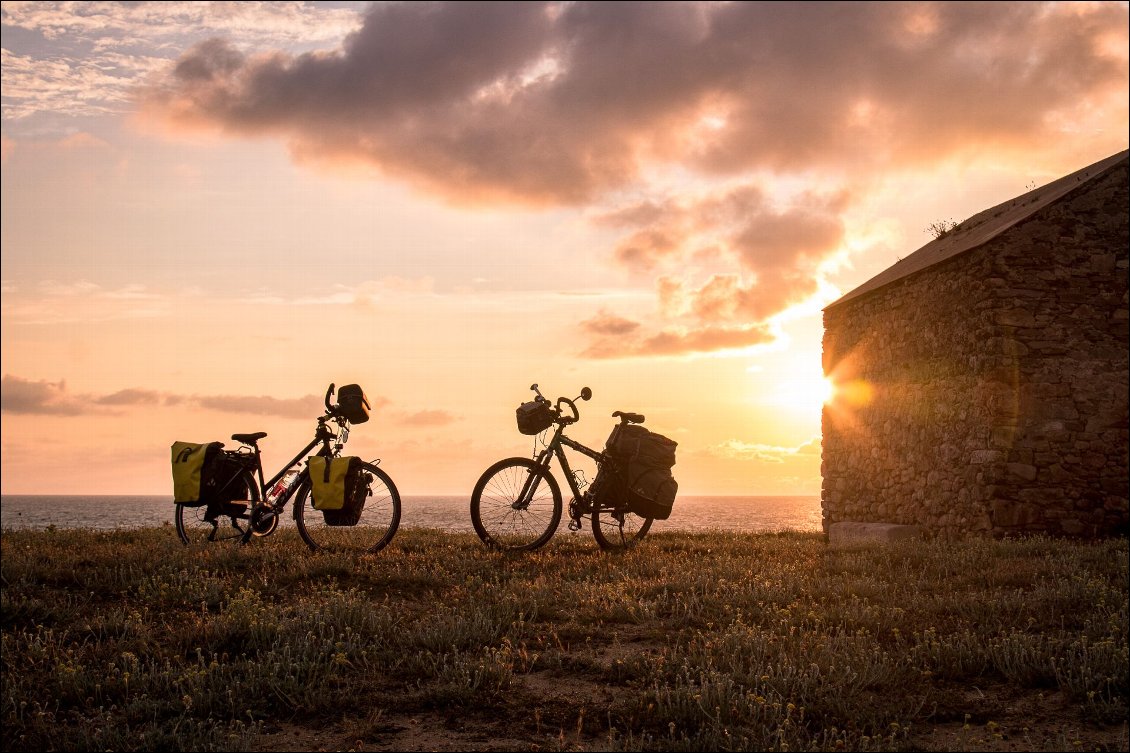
x=942, y=229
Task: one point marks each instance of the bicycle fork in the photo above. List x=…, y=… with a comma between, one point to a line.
x=529, y=488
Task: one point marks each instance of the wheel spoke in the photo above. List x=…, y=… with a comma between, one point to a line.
x=498, y=517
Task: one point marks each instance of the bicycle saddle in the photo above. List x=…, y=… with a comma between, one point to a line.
x=629, y=418
x=249, y=438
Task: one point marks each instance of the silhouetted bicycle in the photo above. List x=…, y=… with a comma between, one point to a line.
x=516, y=503
x=252, y=507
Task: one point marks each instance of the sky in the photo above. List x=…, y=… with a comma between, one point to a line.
x=211, y=211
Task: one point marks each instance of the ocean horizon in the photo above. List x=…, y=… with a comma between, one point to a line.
x=444, y=512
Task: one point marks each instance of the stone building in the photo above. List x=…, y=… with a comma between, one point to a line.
x=982, y=380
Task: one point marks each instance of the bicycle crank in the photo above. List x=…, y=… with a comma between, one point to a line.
x=264, y=520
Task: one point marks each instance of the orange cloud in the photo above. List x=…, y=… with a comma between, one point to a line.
x=678, y=343
x=606, y=323
x=427, y=418
x=773, y=251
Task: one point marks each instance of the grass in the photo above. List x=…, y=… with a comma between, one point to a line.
x=715, y=641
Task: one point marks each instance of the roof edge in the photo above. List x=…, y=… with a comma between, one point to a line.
x=982, y=227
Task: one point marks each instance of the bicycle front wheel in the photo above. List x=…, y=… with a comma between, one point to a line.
x=219, y=523
x=516, y=505
x=374, y=529
x=618, y=529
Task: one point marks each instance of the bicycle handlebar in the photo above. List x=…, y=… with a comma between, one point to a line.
x=586, y=394
x=329, y=392
x=576, y=414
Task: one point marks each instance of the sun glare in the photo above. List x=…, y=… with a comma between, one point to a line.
x=804, y=393
x=825, y=390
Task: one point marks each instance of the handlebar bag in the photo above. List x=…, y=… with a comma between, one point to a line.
x=189, y=460
x=340, y=487
x=353, y=404
x=534, y=417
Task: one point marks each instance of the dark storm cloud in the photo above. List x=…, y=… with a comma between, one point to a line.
x=559, y=103
x=584, y=103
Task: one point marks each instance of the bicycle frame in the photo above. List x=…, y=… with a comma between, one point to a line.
x=323, y=436
x=556, y=449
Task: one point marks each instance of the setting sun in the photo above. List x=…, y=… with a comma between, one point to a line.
x=805, y=392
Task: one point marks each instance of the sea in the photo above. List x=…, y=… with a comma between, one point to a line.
x=743, y=514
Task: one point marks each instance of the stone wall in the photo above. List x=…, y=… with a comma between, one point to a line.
x=988, y=393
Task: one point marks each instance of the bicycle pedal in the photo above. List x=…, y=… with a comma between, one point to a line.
x=574, y=525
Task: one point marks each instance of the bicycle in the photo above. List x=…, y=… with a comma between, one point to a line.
x=249, y=511
x=516, y=504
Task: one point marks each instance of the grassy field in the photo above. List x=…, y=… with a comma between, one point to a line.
x=129, y=641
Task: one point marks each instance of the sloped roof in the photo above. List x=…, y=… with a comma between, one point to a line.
x=983, y=227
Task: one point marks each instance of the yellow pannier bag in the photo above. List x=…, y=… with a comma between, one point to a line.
x=340, y=488
x=188, y=460
x=327, y=481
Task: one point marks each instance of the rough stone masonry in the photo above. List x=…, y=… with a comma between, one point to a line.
x=988, y=392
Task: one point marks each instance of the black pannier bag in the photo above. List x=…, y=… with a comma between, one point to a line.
x=353, y=404
x=646, y=459
x=534, y=417
x=356, y=494
x=223, y=483
x=651, y=493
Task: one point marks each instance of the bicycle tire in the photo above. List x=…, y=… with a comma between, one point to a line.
x=618, y=530
x=499, y=523
x=193, y=527
x=374, y=530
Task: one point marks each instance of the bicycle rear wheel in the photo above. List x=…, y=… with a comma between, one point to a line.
x=374, y=529
x=227, y=523
x=516, y=505
x=618, y=529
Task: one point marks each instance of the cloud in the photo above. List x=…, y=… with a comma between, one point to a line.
x=737, y=449
x=427, y=418
x=584, y=104
x=774, y=251
x=561, y=103
x=308, y=406
x=100, y=50
x=605, y=323
x=24, y=396
x=130, y=397
x=113, y=24
x=680, y=342
x=42, y=397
